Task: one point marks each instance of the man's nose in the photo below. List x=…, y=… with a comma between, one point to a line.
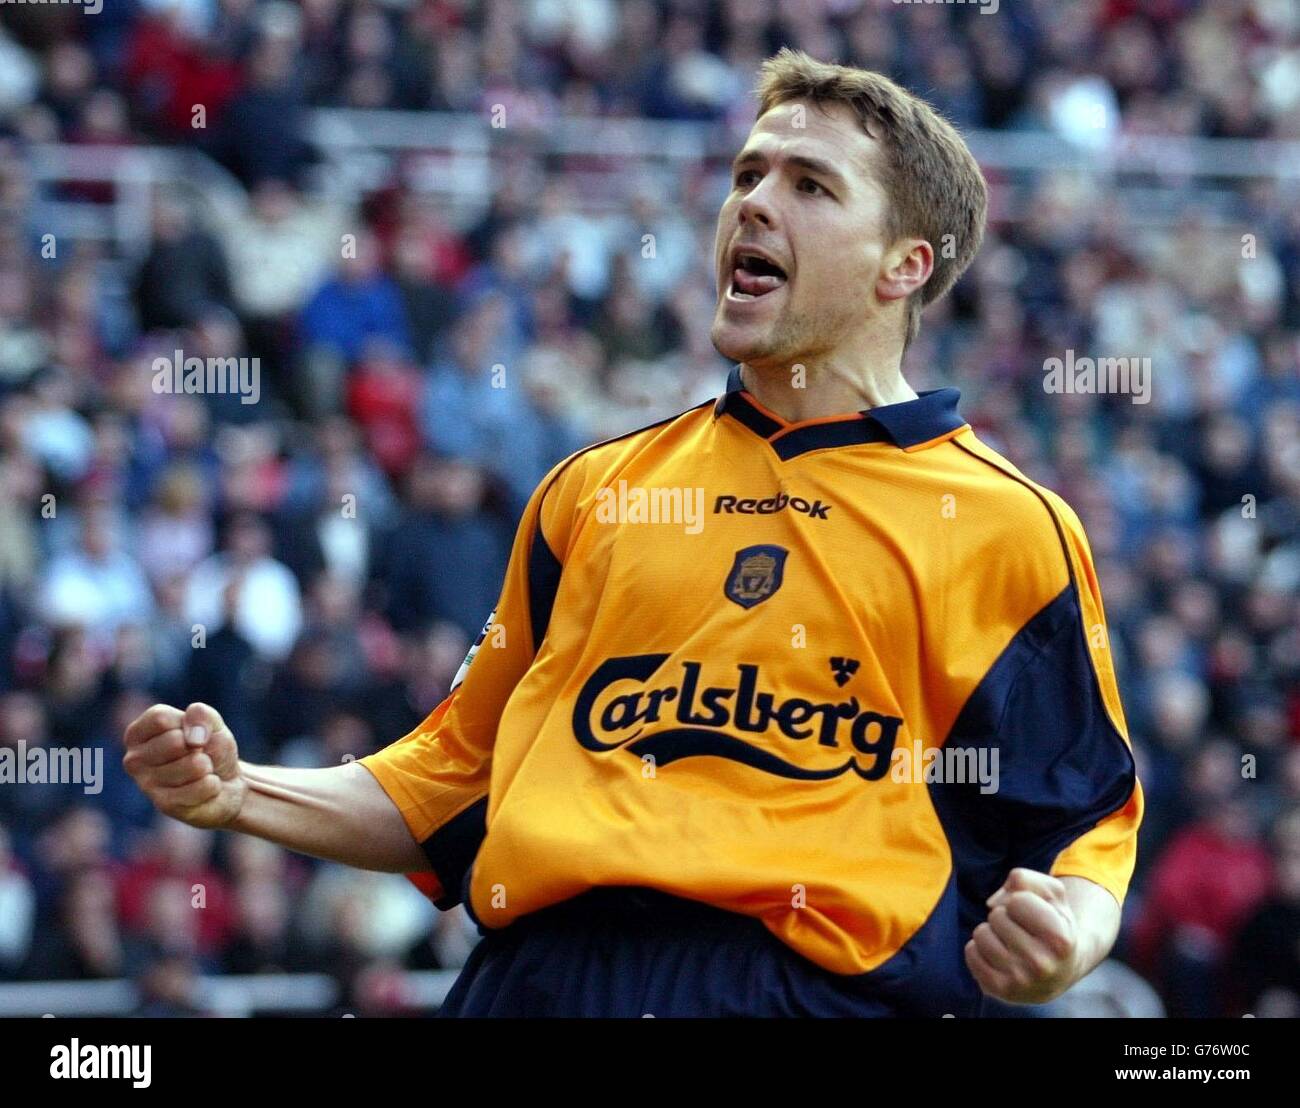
x=757, y=208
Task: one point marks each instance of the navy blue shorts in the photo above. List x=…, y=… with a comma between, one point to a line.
x=621, y=952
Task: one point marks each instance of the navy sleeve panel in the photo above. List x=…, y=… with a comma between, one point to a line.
x=1061, y=764
x=451, y=851
x=544, y=570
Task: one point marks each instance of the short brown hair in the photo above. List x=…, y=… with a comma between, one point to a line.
x=934, y=185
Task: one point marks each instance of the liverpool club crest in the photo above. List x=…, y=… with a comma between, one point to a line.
x=756, y=574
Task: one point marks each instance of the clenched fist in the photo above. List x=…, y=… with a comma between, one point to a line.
x=186, y=763
x=1028, y=951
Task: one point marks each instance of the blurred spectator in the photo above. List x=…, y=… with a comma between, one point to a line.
x=262, y=940
x=176, y=530
x=96, y=586
x=17, y=911
x=1265, y=968
x=260, y=136
x=73, y=688
x=376, y=915
x=168, y=988
x=359, y=305
x=383, y=397
x=225, y=670
x=18, y=542
x=428, y=259
x=280, y=250
x=184, y=273
x=628, y=325
x=266, y=608
x=171, y=67
x=1209, y=879
x=83, y=941
x=24, y=727
x=450, y=549
x=337, y=502
x=172, y=896
x=418, y=681
x=475, y=408
x=76, y=841
x=312, y=684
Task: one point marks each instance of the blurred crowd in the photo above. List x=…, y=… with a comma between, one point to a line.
x=316, y=563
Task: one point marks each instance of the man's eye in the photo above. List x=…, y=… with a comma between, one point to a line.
x=745, y=177
x=810, y=186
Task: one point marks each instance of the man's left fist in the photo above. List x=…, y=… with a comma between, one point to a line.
x=1027, y=950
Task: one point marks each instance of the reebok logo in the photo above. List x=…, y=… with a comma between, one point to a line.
x=732, y=505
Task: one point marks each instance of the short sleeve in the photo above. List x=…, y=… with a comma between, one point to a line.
x=438, y=775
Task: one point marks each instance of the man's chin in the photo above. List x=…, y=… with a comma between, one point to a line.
x=742, y=342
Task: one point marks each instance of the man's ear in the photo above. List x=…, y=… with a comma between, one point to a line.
x=906, y=266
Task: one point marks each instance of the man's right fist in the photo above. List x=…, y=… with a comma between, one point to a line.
x=186, y=763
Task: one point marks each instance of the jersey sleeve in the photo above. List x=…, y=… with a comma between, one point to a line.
x=1065, y=798
x=438, y=775
x=1104, y=848
x=1068, y=789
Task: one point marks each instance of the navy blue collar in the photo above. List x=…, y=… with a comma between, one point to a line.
x=930, y=416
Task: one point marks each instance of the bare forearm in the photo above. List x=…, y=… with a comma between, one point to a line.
x=1097, y=917
x=339, y=813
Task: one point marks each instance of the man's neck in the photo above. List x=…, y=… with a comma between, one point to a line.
x=819, y=391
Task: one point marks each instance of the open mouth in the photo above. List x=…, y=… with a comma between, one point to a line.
x=754, y=276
